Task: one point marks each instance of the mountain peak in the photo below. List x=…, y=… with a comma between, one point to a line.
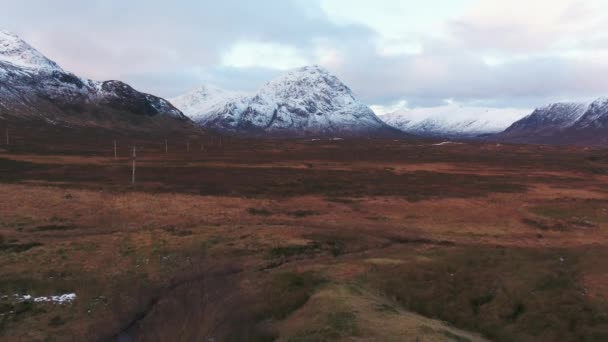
x=5, y=33
x=563, y=106
x=204, y=99
x=16, y=51
x=304, y=101
x=306, y=72
x=33, y=86
x=560, y=114
x=311, y=69
x=310, y=83
x=208, y=90
x=567, y=122
x=600, y=102
x=453, y=120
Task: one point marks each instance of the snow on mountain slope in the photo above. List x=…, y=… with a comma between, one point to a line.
x=553, y=116
x=206, y=101
x=562, y=123
x=596, y=115
x=453, y=120
x=305, y=101
x=17, y=52
x=34, y=87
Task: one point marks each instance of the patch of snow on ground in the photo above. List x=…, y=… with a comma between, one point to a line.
x=59, y=299
x=447, y=143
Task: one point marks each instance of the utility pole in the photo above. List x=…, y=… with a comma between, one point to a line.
x=133, y=171
x=115, y=151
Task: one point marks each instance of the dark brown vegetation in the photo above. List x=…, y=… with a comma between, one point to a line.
x=300, y=240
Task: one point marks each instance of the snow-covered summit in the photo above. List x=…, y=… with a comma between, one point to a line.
x=596, y=115
x=552, y=117
x=34, y=87
x=17, y=52
x=307, y=83
x=304, y=101
x=453, y=120
x=199, y=102
x=556, y=115
x=563, y=123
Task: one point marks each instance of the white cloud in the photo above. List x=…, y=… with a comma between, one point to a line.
x=329, y=57
x=524, y=26
x=394, y=19
x=264, y=55
x=396, y=47
x=520, y=53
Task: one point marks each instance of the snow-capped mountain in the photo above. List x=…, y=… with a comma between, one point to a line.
x=452, y=121
x=206, y=103
x=563, y=123
x=15, y=51
x=596, y=116
x=553, y=116
x=34, y=87
x=305, y=101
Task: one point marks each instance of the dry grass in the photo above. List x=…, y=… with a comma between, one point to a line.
x=303, y=241
x=343, y=313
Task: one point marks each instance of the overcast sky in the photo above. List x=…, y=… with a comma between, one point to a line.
x=392, y=53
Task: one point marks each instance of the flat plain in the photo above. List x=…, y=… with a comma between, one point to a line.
x=230, y=239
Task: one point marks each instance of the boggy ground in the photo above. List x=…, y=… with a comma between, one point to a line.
x=252, y=240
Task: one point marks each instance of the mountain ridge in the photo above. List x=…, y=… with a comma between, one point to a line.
x=302, y=102
x=34, y=87
x=562, y=123
x=452, y=121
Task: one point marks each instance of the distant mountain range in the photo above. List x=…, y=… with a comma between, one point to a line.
x=309, y=101
x=453, y=121
x=562, y=123
x=33, y=87
x=559, y=123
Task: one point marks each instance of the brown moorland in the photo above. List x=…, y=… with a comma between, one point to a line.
x=231, y=239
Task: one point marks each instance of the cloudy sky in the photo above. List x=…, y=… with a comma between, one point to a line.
x=392, y=53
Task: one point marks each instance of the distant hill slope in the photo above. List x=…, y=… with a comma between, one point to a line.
x=309, y=101
x=452, y=121
x=562, y=123
x=33, y=87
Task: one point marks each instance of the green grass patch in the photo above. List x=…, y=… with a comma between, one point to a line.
x=54, y=227
x=342, y=324
x=14, y=247
x=259, y=212
x=49, y=284
x=285, y=293
x=302, y=213
x=338, y=325
x=56, y=321
x=508, y=294
x=545, y=225
x=340, y=200
x=574, y=212
x=294, y=250
x=15, y=312
x=453, y=337
x=388, y=308
x=178, y=232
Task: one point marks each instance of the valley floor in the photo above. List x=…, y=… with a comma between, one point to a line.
x=354, y=240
